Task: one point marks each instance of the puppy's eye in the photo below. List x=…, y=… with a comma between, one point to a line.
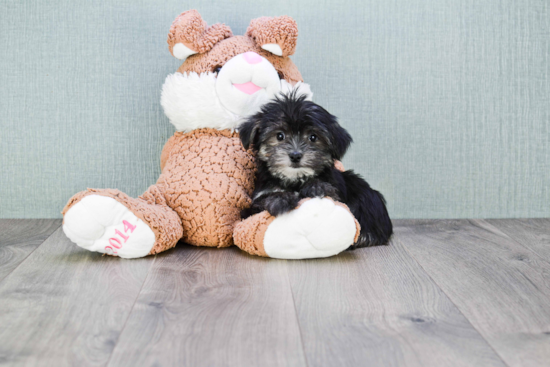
x=217, y=69
x=281, y=75
x=313, y=138
x=280, y=136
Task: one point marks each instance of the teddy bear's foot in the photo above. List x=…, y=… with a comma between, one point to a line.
x=109, y=221
x=102, y=224
x=317, y=228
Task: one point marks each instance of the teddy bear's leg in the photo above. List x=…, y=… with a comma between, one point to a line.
x=109, y=221
x=317, y=228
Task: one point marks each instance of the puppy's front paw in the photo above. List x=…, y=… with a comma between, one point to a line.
x=281, y=203
x=319, y=189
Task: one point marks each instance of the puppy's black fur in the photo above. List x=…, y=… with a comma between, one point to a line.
x=297, y=142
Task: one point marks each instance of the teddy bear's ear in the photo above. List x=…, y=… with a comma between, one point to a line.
x=190, y=34
x=277, y=35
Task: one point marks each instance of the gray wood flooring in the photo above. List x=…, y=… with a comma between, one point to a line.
x=444, y=293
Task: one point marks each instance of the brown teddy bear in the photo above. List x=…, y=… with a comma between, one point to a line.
x=207, y=176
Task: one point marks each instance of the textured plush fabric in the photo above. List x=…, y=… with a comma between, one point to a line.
x=249, y=233
x=150, y=207
x=282, y=31
x=447, y=100
x=190, y=29
x=223, y=51
x=207, y=179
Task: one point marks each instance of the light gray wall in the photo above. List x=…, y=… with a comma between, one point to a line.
x=448, y=101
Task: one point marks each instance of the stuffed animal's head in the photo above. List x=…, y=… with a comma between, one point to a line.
x=226, y=78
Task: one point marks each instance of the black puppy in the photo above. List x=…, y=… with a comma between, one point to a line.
x=297, y=143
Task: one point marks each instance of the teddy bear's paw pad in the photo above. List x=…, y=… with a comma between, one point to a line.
x=318, y=228
x=102, y=224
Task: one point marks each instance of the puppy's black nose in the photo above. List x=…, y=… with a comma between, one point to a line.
x=295, y=156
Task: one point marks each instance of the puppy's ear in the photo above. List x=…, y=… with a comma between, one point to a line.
x=249, y=132
x=341, y=139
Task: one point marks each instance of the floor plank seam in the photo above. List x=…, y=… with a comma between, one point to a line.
x=497, y=230
x=296, y=313
x=131, y=309
x=29, y=254
x=453, y=302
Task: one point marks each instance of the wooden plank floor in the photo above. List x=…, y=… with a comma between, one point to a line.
x=444, y=293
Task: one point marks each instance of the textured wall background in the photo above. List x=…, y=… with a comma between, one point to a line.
x=448, y=100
